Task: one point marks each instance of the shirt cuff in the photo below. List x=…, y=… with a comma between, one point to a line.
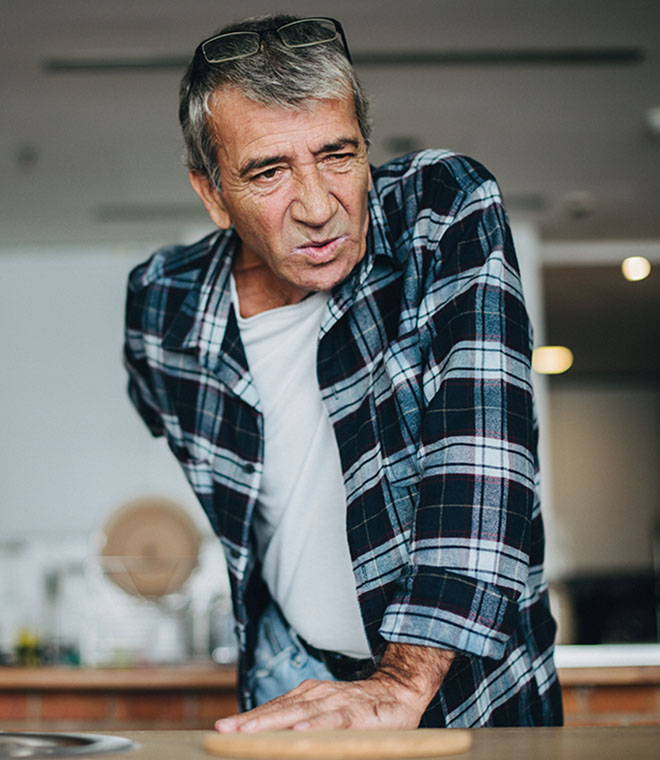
x=439, y=608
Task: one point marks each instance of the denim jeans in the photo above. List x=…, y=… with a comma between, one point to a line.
x=280, y=662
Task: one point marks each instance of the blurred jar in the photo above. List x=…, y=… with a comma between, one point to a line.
x=223, y=645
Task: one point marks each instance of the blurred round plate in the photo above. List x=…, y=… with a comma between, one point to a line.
x=151, y=547
x=39, y=744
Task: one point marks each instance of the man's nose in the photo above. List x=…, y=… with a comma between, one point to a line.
x=313, y=204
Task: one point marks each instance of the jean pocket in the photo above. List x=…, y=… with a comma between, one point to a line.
x=276, y=676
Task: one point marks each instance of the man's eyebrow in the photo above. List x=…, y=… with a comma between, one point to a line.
x=339, y=144
x=253, y=164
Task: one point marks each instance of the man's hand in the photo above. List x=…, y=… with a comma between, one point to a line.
x=394, y=697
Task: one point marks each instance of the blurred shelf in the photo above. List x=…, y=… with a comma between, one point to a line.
x=178, y=678
x=613, y=664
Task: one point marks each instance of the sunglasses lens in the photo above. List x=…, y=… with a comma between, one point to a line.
x=307, y=32
x=229, y=46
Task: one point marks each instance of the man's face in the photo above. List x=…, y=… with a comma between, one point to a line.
x=294, y=185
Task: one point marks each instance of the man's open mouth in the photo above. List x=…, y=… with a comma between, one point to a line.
x=320, y=250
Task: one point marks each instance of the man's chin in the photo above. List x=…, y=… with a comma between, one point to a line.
x=323, y=277
x=323, y=272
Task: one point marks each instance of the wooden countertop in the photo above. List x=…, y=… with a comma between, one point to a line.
x=640, y=743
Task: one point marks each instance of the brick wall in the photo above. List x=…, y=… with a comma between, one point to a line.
x=619, y=705
x=128, y=710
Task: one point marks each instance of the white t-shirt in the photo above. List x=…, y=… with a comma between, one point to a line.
x=300, y=520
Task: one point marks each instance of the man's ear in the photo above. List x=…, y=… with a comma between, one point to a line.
x=211, y=198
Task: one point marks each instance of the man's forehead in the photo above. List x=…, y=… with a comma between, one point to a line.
x=241, y=124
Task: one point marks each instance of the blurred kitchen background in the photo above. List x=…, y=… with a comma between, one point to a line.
x=561, y=100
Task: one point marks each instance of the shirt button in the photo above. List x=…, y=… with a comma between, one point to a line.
x=249, y=468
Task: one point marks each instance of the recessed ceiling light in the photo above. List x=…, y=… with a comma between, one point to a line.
x=636, y=268
x=552, y=360
x=580, y=204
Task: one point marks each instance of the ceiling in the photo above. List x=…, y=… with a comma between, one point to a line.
x=552, y=95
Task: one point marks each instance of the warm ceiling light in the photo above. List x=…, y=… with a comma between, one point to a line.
x=635, y=268
x=552, y=360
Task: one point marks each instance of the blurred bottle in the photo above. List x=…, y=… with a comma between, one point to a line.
x=28, y=648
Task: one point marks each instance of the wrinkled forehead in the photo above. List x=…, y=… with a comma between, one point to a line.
x=237, y=120
x=229, y=92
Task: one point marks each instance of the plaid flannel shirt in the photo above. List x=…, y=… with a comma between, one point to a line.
x=424, y=368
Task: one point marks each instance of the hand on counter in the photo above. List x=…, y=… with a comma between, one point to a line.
x=394, y=697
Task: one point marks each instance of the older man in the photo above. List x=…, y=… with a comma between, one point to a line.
x=342, y=370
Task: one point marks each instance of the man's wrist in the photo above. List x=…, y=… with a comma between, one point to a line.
x=418, y=671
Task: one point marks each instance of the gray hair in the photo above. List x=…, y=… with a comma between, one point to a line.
x=276, y=75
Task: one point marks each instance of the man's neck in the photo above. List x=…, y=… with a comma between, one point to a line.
x=259, y=289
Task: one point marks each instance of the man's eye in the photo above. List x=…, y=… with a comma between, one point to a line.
x=268, y=173
x=339, y=161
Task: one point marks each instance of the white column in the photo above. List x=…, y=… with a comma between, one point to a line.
x=528, y=248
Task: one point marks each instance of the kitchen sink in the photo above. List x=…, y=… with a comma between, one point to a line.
x=39, y=744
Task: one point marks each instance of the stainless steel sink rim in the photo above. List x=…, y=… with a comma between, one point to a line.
x=60, y=744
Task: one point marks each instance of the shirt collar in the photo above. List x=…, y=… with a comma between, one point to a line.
x=204, y=312
x=382, y=243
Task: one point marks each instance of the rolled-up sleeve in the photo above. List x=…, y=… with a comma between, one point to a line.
x=471, y=535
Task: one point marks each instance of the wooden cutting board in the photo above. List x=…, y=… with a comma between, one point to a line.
x=151, y=547
x=348, y=744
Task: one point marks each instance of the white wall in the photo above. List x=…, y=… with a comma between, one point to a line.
x=606, y=455
x=73, y=448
